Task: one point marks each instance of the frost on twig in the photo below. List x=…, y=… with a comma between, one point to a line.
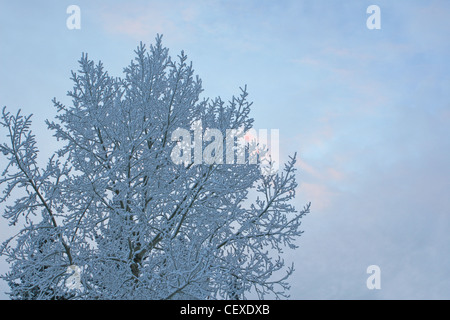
x=111, y=216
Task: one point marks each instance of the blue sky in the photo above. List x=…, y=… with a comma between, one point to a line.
x=368, y=111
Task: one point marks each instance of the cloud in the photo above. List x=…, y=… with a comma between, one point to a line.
x=138, y=22
x=319, y=184
x=396, y=217
x=319, y=195
x=310, y=61
x=230, y=26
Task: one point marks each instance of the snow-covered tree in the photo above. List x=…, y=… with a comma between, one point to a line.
x=112, y=216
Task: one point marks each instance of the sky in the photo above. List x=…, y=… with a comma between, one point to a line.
x=367, y=111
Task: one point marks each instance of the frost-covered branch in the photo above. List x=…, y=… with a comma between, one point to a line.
x=114, y=207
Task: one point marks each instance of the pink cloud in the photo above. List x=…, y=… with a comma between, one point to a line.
x=323, y=174
x=335, y=174
x=319, y=195
x=135, y=24
x=145, y=21
x=318, y=183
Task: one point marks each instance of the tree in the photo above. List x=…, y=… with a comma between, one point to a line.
x=114, y=205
